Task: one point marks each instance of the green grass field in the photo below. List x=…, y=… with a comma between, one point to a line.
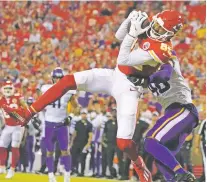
x=19, y=177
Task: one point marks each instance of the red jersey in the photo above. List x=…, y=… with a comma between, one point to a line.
x=159, y=51
x=13, y=102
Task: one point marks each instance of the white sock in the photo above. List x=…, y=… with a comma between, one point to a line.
x=51, y=175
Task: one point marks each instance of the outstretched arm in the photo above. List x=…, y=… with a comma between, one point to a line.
x=139, y=56
x=123, y=30
x=134, y=58
x=163, y=75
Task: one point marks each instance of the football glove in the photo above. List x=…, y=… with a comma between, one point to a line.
x=133, y=15
x=138, y=81
x=36, y=123
x=67, y=121
x=136, y=25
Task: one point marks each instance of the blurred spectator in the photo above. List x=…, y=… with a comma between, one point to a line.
x=109, y=146
x=81, y=139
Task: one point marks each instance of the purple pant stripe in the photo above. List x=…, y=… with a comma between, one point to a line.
x=162, y=122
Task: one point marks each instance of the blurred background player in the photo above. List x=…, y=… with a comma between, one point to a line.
x=56, y=127
x=12, y=132
x=98, y=122
x=33, y=131
x=109, y=147
x=81, y=142
x=40, y=143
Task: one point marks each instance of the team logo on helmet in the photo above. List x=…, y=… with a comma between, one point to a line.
x=146, y=46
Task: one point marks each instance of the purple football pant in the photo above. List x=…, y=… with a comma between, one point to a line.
x=29, y=148
x=43, y=151
x=167, y=136
x=57, y=132
x=96, y=159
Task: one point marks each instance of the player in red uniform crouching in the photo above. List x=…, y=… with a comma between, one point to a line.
x=12, y=132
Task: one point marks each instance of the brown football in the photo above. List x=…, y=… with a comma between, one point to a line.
x=145, y=24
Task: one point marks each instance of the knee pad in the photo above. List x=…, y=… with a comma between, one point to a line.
x=16, y=143
x=124, y=144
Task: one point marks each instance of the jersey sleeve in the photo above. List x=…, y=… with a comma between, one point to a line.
x=132, y=58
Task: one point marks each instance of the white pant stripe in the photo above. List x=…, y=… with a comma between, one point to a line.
x=171, y=124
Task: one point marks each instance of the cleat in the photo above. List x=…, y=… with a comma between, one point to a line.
x=187, y=177
x=51, y=177
x=10, y=174
x=142, y=171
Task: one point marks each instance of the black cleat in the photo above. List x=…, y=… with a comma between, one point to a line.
x=187, y=177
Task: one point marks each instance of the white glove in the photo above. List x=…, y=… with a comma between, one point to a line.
x=124, y=27
x=133, y=15
x=136, y=24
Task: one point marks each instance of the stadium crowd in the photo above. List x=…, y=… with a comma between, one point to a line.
x=36, y=37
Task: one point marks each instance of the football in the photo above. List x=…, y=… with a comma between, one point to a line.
x=145, y=24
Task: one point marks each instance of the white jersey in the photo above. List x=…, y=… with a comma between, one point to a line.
x=57, y=111
x=74, y=120
x=31, y=129
x=41, y=116
x=175, y=90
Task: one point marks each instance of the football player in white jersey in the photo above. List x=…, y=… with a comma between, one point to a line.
x=154, y=49
x=56, y=116
x=167, y=136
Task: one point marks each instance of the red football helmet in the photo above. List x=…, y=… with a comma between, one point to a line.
x=8, y=89
x=165, y=25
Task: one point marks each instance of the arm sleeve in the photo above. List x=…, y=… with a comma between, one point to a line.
x=123, y=30
x=163, y=75
x=136, y=57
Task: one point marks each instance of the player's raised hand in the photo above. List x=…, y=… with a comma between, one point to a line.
x=133, y=15
x=138, y=26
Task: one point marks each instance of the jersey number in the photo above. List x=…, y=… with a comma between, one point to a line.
x=159, y=88
x=56, y=104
